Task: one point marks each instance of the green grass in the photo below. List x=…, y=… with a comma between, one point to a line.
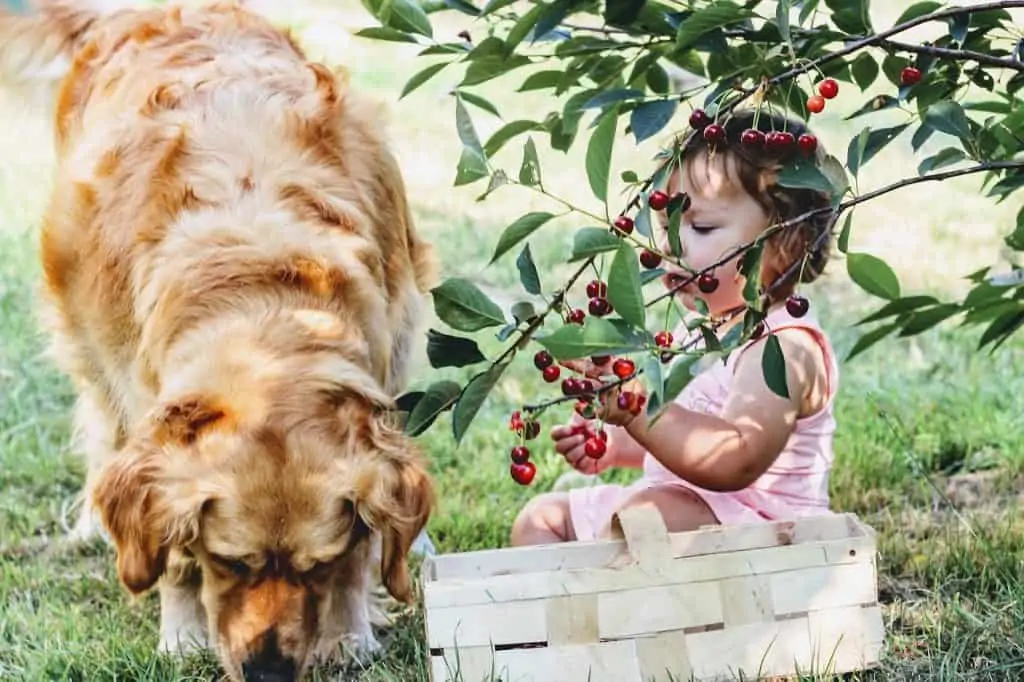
x=923, y=422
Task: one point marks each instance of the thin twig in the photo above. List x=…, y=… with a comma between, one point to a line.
x=980, y=57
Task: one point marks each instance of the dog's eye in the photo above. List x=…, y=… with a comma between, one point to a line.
x=235, y=566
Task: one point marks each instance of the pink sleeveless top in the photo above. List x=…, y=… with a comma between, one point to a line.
x=796, y=484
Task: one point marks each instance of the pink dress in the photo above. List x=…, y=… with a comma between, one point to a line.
x=795, y=485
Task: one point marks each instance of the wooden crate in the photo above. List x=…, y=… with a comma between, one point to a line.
x=720, y=603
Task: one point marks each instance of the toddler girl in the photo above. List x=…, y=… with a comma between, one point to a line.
x=728, y=450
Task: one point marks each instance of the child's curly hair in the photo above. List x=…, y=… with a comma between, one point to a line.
x=757, y=169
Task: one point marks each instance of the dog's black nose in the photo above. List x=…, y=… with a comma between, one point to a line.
x=282, y=670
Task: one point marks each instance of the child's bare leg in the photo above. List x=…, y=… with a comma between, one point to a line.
x=682, y=509
x=544, y=520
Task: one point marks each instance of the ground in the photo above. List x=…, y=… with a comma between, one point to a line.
x=928, y=449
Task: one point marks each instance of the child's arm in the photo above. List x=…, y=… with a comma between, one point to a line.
x=731, y=451
x=628, y=453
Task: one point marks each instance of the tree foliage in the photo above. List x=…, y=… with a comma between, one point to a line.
x=606, y=64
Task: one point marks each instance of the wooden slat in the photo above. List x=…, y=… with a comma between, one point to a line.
x=628, y=613
x=572, y=620
x=757, y=648
x=540, y=585
x=823, y=587
x=846, y=639
x=575, y=555
x=663, y=657
x=487, y=624
x=603, y=662
x=747, y=599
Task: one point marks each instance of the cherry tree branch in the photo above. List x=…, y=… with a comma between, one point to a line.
x=980, y=57
x=838, y=210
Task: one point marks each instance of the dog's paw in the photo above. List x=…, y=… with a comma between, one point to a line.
x=360, y=648
x=181, y=642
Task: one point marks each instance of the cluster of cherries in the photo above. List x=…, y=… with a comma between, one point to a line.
x=779, y=142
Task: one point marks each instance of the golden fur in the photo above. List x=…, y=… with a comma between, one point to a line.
x=234, y=283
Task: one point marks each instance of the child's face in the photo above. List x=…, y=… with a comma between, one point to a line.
x=721, y=217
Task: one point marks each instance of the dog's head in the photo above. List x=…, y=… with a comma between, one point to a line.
x=278, y=516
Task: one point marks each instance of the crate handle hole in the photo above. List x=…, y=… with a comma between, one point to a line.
x=853, y=552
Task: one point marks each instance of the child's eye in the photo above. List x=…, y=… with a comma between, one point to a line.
x=702, y=229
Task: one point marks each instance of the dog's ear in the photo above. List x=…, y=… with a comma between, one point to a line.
x=133, y=509
x=130, y=493
x=395, y=496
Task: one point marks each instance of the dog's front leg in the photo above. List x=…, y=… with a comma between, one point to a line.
x=347, y=626
x=182, y=616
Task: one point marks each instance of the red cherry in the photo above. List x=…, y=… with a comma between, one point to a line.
x=707, y=283
x=576, y=316
x=595, y=448
x=910, y=75
x=600, y=306
x=586, y=386
x=752, y=138
x=797, y=305
x=551, y=373
x=699, y=119
x=649, y=259
x=624, y=223
x=520, y=454
x=600, y=359
x=807, y=143
x=714, y=133
x=596, y=287
x=663, y=339
x=584, y=409
x=658, y=200
x=815, y=104
x=780, y=141
x=570, y=386
x=543, y=359
x=515, y=422
x=828, y=88
x=623, y=367
x=523, y=473
x=624, y=401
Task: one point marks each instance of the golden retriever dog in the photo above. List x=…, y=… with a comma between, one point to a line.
x=234, y=283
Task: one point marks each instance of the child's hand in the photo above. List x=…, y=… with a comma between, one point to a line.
x=620, y=405
x=570, y=442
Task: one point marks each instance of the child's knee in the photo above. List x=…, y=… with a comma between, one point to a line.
x=545, y=518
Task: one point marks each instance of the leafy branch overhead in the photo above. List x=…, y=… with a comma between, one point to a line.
x=607, y=67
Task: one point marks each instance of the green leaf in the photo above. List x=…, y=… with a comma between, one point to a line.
x=649, y=118
x=622, y=13
x=807, y=9
x=1001, y=329
x=945, y=157
x=498, y=179
x=590, y=241
x=599, y=155
x=463, y=6
x=528, y=274
x=445, y=350
x=461, y=305
x=773, y=367
x=406, y=15
x=624, y=287
x=522, y=27
x=918, y=9
x=472, y=399
x=873, y=141
x=478, y=101
x=804, y=175
x=782, y=9
x=949, y=117
x=522, y=228
x=522, y=311
x=924, y=320
x=873, y=275
x=465, y=128
x=652, y=371
x=871, y=338
x=421, y=77
x=679, y=376
x=494, y=6
x=488, y=68
x=507, y=132
x=472, y=166
x=596, y=336
x=851, y=16
x=1015, y=240
x=540, y=80
x=386, y=33
x=864, y=70
x=843, y=243
x=438, y=397
x=717, y=15
x=529, y=170
x=899, y=306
